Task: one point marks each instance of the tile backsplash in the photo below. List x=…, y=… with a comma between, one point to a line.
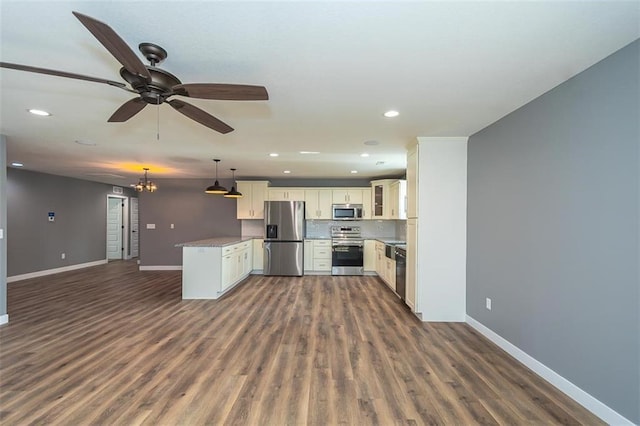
x=322, y=228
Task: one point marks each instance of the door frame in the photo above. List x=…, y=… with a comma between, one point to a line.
x=125, y=226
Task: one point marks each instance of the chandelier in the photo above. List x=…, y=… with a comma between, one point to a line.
x=145, y=184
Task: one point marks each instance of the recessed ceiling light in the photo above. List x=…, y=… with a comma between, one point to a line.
x=85, y=142
x=391, y=113
x=364, y=154
x=16, y=164
x=309, y=152
x=273, y=154
x=286, y=172
x=354, y=171
x=372, y=143
x=39, y=112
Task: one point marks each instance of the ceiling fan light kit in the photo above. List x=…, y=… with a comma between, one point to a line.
x=216, y=188
x=144, y=184
x=152, y=84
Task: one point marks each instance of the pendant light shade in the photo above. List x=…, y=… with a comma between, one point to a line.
x=216, y=188
x=145, y=184
x=233, y=193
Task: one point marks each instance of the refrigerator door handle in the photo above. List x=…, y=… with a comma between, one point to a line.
x=267, y=257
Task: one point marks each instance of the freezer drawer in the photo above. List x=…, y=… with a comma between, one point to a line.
x=283, y=258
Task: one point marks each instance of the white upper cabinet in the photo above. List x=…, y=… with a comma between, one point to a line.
x=347, y=196
x=398, y=200
x=286, y=194
x=318, y=203
x=251, y=205
x=388, y=199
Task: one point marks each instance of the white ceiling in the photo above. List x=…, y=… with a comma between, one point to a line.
x=331, y=70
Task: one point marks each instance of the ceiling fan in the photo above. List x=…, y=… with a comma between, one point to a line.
x=152, y=84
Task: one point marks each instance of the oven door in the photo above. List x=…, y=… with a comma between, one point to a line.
x=347, y=257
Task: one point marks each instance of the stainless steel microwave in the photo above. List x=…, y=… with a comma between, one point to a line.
x=347, y=211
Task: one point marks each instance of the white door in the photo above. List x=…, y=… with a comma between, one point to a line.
x=134, y=227
x=114, y=228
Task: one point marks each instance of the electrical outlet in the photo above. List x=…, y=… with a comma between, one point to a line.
x=63, y=255
x=172, y=226
x=488, y=304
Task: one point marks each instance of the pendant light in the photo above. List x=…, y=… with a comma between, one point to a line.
x=232, y=192
x=216, y=188
x=145, y=184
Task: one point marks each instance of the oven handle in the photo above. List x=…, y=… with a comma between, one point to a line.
x=347, y=243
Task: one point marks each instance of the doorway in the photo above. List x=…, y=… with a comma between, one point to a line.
x=117, y=228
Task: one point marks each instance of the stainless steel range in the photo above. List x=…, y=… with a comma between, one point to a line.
x=347, y=251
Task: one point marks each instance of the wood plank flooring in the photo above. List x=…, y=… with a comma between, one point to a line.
x=111, y=345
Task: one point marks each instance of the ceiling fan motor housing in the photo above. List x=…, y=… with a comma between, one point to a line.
x=157, y=90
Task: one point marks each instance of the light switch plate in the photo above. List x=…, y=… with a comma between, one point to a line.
x=151, y=226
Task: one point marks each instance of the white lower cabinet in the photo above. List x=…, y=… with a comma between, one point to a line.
x=208, y=272
x=385, y=267
x=369, y=255
x=258, y=256
x=317, y=256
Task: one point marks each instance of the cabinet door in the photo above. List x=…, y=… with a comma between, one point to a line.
x=278, y=194
x=308, y=255
x=228, y=270
x=394, y=194
x=247, y=261
x=354, y=196
x=340, y=196
x=258, y=197
x=324, y=204
x=369, y=255
x=366, y=203
x=244, y=206
x=258, y=254
x=378, y=200
x=311, y=204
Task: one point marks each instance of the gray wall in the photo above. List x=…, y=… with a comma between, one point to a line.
x=195, y=216
x=79, y=230
x=3, y=225
x=553, y=208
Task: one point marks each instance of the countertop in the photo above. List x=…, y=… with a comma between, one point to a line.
x=390, y=240
x=225, y=241
x=215, y=242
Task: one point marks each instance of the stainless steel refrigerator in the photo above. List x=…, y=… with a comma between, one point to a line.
x=284, y=238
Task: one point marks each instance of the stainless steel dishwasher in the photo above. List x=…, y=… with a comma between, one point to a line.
x=401, y=271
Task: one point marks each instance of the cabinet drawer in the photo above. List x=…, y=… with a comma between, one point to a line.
x=321, y=264
x=227, y=250
x=245, y=245
x=322, y=253
x=322, y=243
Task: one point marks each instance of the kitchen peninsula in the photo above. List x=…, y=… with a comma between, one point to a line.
x=213, y=266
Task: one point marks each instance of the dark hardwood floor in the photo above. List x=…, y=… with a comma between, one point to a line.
x=111, y=345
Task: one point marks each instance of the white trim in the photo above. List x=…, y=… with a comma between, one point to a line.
x=592, y=404
x=160, y=268
x=55, y=271
x=4, y=319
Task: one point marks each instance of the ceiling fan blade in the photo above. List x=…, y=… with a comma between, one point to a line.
x=60, y=74
x=115, y=45
x=227, y=92
x=200, y=116
x=127, y=110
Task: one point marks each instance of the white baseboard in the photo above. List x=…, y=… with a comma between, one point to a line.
x=160, y=268
x=4, y=319
x=55, y=271
x=592, y=404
